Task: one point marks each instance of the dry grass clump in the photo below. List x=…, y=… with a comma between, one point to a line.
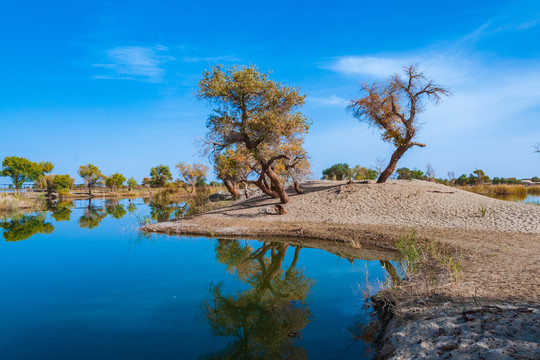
x=11, y=203
x=497, y=190
x=429, y=257
x=533, y=190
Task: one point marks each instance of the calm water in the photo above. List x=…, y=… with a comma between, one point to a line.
x=80, y=283
x=527, y=198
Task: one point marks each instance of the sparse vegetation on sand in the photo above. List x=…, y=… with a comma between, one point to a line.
x=13, y=203
x=499, y=190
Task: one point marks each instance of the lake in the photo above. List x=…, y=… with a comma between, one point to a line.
x=80, y=282
x=524, y=198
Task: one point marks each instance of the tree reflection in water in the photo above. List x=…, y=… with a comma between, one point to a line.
x=264, y=321
x=163, y=210
x=131, y=208
x=61, y=210
x=23, y=227
x=116, y=210
x=92, y=216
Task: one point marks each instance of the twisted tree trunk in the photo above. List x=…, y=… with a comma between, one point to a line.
x=232, y=188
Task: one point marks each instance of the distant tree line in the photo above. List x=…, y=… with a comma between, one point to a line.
x=21, y=170
x=256, y=136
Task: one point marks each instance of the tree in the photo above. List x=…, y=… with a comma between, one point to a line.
x=192, y=173
x=115, y=181
x=430, y=172
x=159, y=176
x=131, y=183
x=407, y=174
x=479, y=178
x=296, y=168
x=363, y=173
x=380, y=164
x=22, y=170
x=337, y=172
x=393, y=106
x=91, y=176
x=255, y=116
x=231, y=167
x=537, y=148
x=462, y=180
x=59, y=183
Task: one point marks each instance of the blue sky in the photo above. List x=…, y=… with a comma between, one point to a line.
x=112, y=82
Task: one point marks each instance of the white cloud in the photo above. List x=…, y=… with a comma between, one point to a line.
x=490, y=120
x=226, y=58
x=134, y=63
x=331, y=100
x=366, y=65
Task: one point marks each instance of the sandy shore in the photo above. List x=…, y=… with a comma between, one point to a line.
x=500, y=242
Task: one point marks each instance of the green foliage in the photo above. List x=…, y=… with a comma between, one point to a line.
x=259, y=320
x=116, y=211
x=21, y=170
x=407, y=174
x=507, y=181
x=159, y=176
x=91, y=175
x=476, y=178
x=337, y=172
x=427, y=255
x=61, y=211
x=483, y=211
x=146, y=181
x=535, y=179
x=132, y=183
x=479, y=177
x=131, y=208
x=91, y=217
x=363, y=173
x=462, y=180
x=25, y=226
x=115, y=181
x=343, y=172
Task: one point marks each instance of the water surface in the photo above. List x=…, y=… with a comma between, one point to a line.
x=79, y=282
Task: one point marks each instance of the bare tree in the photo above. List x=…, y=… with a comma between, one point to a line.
x=537, y=148
x=380, y=164
x=430, y=172
x=393, y=107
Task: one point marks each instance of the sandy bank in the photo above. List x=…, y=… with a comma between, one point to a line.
x=500, y=242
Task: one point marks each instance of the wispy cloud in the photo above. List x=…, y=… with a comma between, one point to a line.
x=495, y=101
x=331, y=100
x=134, y=63
x=226, y=58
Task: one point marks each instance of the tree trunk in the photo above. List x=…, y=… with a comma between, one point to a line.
x=246, y=192
x=392, y=165
x=278, y=187
x=232, y=188
x=89, y=191
x=297, y=187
